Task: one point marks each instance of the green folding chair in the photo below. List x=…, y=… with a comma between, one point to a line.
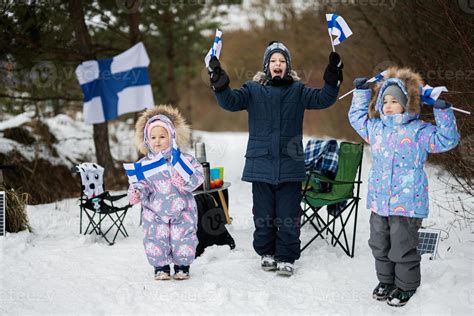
x=336, y=222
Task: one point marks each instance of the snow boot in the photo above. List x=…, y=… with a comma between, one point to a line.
x=399, y=297
x=268, y=263
x=285, y=268
x=382, y=291
x=181, y=272
x=162, y=273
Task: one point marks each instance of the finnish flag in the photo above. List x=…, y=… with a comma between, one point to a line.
x=215, y=49
x=115, y=86
x=375, y=78
x=338, y=27
x=378, y=77
x=181, y=164
x=429, y=94
x=145, y=169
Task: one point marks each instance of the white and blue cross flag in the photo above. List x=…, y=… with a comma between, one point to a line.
x=377, y=77
x=180, y=163
x=338, y=27
x=429, y=94
x=215, y=49
x=145, y=169
x=115, y=86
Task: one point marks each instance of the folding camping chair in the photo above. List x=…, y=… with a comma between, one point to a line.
x=98, y=205
x=341, y=191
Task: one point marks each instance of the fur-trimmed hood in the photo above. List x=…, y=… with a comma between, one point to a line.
x=408, y=81
x=263, y=79
x=181, y=130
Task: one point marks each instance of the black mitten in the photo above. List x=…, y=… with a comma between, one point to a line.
x=333, y=72
x=219, y=79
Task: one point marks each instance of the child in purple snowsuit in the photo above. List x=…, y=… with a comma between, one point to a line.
x=398, y=186
x=168, y=207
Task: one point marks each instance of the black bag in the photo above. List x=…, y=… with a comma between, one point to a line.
x=211, y=224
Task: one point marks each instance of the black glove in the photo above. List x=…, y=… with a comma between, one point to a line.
x=441, y=104
x=219, y=79
x=333, y=72
x=361, y=83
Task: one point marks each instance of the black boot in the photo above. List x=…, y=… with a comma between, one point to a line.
x=162, y=273
x=268, y=263
x=399, y=297
x=181, y=272
x=382, y=291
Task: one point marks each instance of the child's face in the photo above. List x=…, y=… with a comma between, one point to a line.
x=277, y=65
x=159, y=139
x=391, y=105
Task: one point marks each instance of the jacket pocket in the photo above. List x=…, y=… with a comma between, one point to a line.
x=257, y=152
x=258, y=162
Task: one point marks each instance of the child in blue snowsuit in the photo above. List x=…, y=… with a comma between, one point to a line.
x=275, y=101
x=168, y=205
x=398, y=186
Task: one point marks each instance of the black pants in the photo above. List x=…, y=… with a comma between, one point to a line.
x=393, y=241
x=276, y=215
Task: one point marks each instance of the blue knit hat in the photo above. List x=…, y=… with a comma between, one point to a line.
x=276, y=47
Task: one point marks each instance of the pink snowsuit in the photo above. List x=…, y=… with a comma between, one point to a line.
x=168, y=210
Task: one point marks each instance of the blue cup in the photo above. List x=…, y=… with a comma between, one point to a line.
x=215, y=174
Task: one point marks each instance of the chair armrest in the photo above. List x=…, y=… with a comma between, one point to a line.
x=113, y=198
x=327, y=180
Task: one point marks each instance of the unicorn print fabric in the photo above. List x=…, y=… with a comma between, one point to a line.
x=400, y=144
x=168, y=205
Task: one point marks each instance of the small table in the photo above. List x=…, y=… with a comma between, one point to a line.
x=219, y=191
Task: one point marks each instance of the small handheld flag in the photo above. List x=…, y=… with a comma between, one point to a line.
x=375, y=78
x=180, y=163
x=115, y=86
x=145, y=169
x=430, y=94
x=215, y=49
x=337, y=26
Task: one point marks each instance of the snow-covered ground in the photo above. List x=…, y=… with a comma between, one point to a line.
x=56, y=270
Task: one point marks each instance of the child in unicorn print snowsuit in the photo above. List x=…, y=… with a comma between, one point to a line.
x=168, y=206
x=398, y=186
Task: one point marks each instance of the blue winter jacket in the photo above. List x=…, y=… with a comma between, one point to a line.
x=275, y=119
x=400, y=144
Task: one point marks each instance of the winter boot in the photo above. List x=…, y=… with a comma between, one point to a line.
x=382, y=291
x=162, y=273
x=285, y=268
x=181, y=272
x=268, y=263
x=399, y=297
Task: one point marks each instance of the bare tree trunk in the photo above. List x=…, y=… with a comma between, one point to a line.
x=56, y=107
x=135, y=37
x=172, y=95
x=188, y=107
x=134, y=23
x=101, y=133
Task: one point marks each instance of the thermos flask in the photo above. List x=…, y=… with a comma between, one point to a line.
x=207, y=176
x=200, y=151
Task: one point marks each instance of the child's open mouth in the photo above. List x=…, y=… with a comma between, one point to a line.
x=278, y=71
